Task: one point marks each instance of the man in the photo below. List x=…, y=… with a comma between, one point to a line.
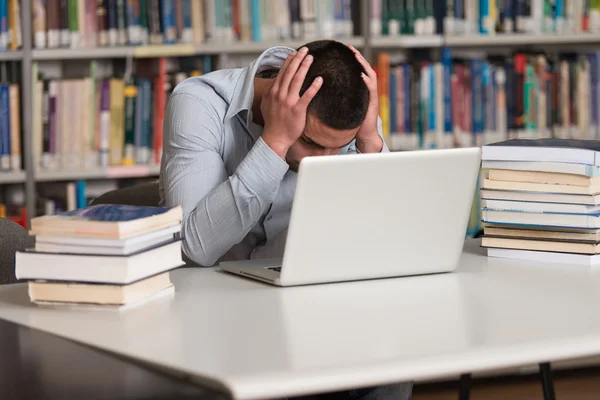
x=234, y=139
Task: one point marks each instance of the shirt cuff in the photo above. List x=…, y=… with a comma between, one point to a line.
x=262, y=170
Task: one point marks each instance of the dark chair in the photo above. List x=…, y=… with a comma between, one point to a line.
x=145, y=194
x=13, y=237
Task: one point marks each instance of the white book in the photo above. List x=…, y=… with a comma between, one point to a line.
x=82, y=245
x=540, y=197
x=526, y=206
x=102, y=269
x=544, y=150
x=554, y=167
x=545, y=256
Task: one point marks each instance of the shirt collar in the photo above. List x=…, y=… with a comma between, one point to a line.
x=243, y=94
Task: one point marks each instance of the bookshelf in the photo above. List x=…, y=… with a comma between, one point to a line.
x=370, y=44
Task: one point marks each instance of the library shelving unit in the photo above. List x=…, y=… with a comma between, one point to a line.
x=368, y=43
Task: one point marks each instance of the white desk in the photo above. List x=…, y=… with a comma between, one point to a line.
x=260, y=341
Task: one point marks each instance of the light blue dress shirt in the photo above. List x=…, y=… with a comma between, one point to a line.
x=236, y=193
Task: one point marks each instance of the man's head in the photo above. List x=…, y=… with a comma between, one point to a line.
x=339, y=108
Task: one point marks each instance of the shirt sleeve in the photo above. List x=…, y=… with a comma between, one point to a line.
x=218, y=210
x=351, y=149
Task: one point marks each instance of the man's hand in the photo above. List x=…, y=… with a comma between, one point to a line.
x=283, y=110
x=367, y=138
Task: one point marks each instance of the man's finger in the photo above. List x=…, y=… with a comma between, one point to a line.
x=300, y=76
x=284, y=67
x=311, y=92
x=290, y=72
x=370, y=71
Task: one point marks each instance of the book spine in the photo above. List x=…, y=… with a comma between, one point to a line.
x=5, y=158
x=393, y=101
x=39, y=25
x=448, y=112
x=121, y=22
x=130, y=107
x=187, y=36
x=74, y=24
x=14, y=25
x=134, y=29
x=168, y=21
x=15, y=127
x=104, y=136
x=407, y=112
x=113, y=32
x=46, y=124
x=80, y=191
x=4, y=33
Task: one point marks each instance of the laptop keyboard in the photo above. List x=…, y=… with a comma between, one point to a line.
x=276, y=269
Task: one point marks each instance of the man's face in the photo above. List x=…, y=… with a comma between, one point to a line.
x=318, y=140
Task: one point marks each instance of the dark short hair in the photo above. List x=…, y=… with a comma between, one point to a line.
x=343, y=99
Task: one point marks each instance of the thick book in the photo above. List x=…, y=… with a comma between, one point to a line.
x=123, y=247
x=540, y=197
x=553, y=167
x=543, y=233
x=540, y=187
x=545, y=256
x=97, y=293
x=541, y=245
x=32, y=265
x=166, y=293
x=546, y=178
x=109, y=221
x=585, y=152
x=526, y=206
x=582, y=221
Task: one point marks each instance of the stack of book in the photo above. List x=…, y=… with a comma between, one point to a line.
x=541, y=200
x=103, y=256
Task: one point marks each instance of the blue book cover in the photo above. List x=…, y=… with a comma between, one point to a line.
x=110, y=213
x=459, y=9
x=145, y=102
x=431, y=100
x=133, y=22
x=486, y=81
x=81, y=201
x=494, y=90
x=447, y=63
x=484, y=14
x=393, y=101
x=207, y=64
x=477, y=100
x=255, y=14
x=4, y=128
x=187, y=14
x=408, y=123
x=111, y=9
x=168, y=21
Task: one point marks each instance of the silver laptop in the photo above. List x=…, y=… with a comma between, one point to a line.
x=370, y=216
